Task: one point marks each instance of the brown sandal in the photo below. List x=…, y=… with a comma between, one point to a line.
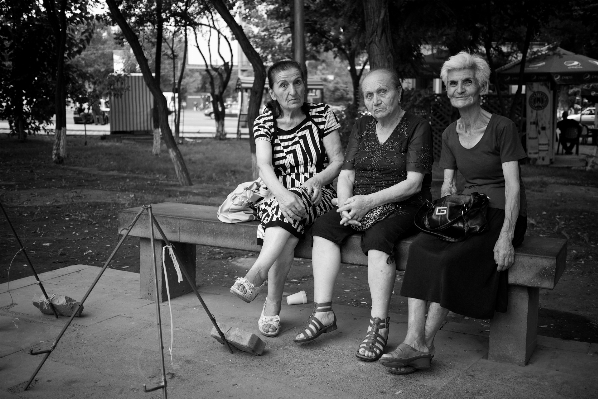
x=374, y=341
x=315, y=328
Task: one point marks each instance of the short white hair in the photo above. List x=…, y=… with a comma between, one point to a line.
x=464, y=60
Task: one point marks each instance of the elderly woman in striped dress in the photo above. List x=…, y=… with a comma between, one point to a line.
x=298, y=154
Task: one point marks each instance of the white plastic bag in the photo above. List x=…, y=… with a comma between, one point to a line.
x=236, y=208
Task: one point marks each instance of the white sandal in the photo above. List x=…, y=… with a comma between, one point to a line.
x=268, y=321
x=250, y=290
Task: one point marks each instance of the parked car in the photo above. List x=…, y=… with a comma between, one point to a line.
x=82, y=117
x=83, y=113
x=228, y=111
x=586, y=117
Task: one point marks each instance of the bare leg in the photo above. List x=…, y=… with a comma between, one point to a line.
x=421, y=330
x=276, y=278
x=326, y=260
x=416, y=325
x=381, y=279
x=275, y=240
x=436, y=316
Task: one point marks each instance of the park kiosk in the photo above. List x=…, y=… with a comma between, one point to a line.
x=542, y=73
x=131, y=111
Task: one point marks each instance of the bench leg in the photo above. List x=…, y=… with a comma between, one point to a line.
x=186, y=256
x=513, y=335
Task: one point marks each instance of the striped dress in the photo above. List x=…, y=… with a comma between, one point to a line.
x=297, y=155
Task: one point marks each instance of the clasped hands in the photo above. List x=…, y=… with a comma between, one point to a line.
x=291, y=205
x=353, y=209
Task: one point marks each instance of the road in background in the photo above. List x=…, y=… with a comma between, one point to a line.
x=194, y=124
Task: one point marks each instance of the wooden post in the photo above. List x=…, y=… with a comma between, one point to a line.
x=299, y=38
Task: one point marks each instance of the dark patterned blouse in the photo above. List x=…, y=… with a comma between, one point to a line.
x=378, y=166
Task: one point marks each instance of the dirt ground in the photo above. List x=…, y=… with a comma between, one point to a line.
x=67, y=215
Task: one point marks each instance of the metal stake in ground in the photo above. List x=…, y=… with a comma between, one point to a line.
x=29, y=262
x=158, y=318
x=48, y=351
x=192, y=285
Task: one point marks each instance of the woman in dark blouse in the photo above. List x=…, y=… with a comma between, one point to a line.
x=467, y=277
x=386, y=177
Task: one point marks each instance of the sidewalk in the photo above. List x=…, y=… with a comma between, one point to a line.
x=187, y=131
x=112, y=351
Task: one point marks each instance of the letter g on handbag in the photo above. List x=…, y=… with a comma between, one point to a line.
x=454, y=217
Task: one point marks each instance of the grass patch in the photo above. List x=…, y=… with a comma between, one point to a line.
x=208, y=161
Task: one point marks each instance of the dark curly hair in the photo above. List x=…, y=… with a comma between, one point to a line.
x=283, y=65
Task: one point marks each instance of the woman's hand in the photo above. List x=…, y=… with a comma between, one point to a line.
x=354, y=208
x=314, y=188
x=504, y=253
x=291, y=206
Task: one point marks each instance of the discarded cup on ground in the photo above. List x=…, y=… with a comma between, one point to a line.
x=297, y=298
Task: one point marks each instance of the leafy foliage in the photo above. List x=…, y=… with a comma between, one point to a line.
x=28, y=69
x=27, y=52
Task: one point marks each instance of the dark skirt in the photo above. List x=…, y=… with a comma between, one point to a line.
x=461, y=276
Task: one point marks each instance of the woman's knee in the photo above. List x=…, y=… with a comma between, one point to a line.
x=321, y=243
x=379, y=258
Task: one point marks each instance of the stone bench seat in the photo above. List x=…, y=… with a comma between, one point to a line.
x=539, y=263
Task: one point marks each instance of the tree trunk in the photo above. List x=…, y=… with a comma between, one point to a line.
x=20, y=128
x=58, y=23
x=377, y=33
x=179, y=97
x=59, y=146
x=220, y=132
x=259, y=73
x=157, y=142
x=175, y=155
x=219, y=115
x=157, y=72
x=526, y=44
x=63, y=142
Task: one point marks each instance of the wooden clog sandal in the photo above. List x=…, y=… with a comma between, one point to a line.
x=315, y=328
x=245, y=290
x=404, y=370
x=374, y=341
x=406, y=355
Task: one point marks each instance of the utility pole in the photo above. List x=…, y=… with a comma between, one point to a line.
x=299, y=37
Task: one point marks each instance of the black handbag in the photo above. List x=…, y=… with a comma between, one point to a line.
x=454, y=217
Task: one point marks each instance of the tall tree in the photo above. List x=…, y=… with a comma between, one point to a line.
x=218, y=74
x=147, y=19
x=57, y=17
x=259, y=71
x=27, y=61
x=185, y=18
x=157, y=75
x=174, y=152
x=377, y=32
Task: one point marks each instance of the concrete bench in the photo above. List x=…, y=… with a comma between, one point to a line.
x=539, y=263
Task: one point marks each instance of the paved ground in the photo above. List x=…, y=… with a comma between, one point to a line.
x=112, y=351
x=193, y=125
